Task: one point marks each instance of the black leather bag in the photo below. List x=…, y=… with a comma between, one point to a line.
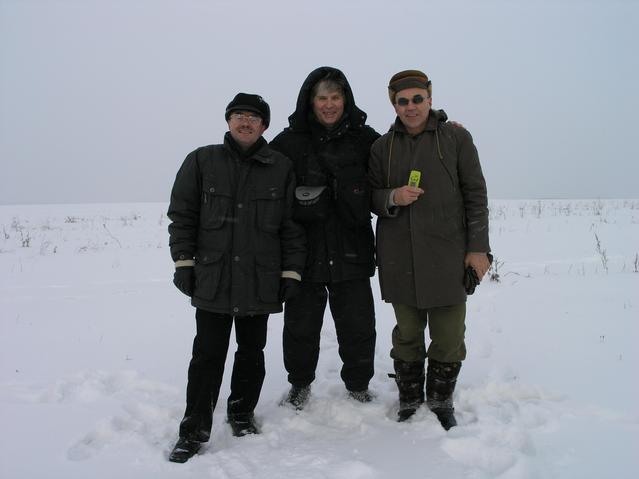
x=312, y=203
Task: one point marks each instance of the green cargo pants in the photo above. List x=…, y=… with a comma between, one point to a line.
x=446, y=327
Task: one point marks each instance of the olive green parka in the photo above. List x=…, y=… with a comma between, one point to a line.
x=421, y=247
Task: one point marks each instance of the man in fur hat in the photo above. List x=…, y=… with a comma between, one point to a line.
x=429, y=194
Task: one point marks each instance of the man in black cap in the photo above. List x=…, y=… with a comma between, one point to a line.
x=238, y=254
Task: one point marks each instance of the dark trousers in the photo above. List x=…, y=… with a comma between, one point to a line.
x=351, y=304
x=207, y=369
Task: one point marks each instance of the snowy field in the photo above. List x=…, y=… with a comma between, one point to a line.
x=95, y=343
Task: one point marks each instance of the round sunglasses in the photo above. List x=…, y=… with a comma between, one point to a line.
x=417, y=99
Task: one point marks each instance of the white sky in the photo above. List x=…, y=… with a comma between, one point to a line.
x=100, y=101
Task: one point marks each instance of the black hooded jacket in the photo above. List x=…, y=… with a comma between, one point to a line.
x=340, y=246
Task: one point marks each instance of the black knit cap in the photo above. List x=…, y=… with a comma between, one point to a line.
x=249, y=102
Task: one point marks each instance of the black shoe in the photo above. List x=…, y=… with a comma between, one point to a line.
x=184, y=450
x=243, y=424
x=446, y=417
x=363, y=396
x=298, y=396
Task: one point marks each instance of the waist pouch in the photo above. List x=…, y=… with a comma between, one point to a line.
x=312, y=203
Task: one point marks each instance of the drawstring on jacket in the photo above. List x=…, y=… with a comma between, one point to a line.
x=441, y=157
x=390, y=155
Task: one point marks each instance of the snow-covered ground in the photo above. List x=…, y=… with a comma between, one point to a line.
x=95, y=343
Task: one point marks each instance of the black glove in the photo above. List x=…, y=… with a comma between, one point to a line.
x=470, y=280
x=184, y=279
x=289, y=288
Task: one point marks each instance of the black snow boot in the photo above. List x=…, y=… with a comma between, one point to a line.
x=363, y=396
x=409, y=376
x=243, y=424
x=184, y=450
x=298, y=396
x=440, y=385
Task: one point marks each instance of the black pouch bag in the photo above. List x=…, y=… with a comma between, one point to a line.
x=312, y=203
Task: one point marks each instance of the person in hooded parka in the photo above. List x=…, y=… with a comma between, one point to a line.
x=329, y=142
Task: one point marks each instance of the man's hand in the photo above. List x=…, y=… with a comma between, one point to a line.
x=289, y=288
x=184, y=279
x=405, y=195
x=479, y=262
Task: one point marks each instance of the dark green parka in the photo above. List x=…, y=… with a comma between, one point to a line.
x=341, y=246
x=232, y=213
x=421, y=247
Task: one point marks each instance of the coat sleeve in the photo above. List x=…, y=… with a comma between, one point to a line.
x=184, y=209
x=370, y=136
x=474, y=194
x=292, y=234
x=279, y=143
x=380, y=191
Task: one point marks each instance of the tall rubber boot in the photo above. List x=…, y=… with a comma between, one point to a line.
x=440, y=385
x=409, y=376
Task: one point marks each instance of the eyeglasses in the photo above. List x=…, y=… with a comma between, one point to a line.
x=252, y=119
x=417, y=99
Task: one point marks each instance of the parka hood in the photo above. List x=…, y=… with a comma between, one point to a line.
x=299, y=120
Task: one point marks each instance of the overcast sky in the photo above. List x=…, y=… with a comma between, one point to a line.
x=100, y=101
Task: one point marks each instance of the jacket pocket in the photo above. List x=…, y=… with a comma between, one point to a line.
x=268, y=279
x=208, y=271
x=216, y=202
x=269, y=206
x=449, y=225
x=358, y=245
x=353, y=201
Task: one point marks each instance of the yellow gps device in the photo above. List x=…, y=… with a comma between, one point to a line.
x=413, y=179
